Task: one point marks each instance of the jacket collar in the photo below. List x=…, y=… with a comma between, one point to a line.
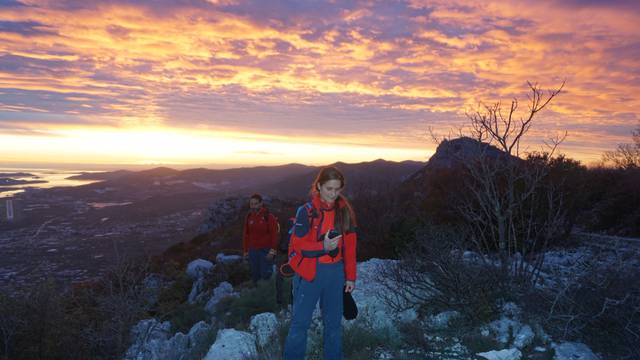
x=260, y=211
x=320, y=204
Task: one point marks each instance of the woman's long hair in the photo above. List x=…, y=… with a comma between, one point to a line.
x=345, y=220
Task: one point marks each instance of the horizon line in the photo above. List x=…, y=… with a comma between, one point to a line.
x=176, y=166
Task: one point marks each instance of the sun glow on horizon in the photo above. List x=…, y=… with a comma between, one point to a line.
x=141, y=146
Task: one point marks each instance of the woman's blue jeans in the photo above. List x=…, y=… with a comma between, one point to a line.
x=327, y=288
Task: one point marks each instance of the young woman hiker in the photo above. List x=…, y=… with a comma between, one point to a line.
x=322, y=253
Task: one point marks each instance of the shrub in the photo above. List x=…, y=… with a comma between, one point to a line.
x=185, y=316
x=380, y=212
x=600, y=305
x=362, y=343
x=413, y=335
x=614, y=201
x=85, y=322
x=235, y=273
x=40, y=318
x=237, y=311
x=175, y=294
x=433, y=274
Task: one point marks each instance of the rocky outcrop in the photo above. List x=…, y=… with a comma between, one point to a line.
x=221, y=258
x=265, y=327
x=221, y=213
x=153, y=285
x=509, y=328
x=573, y=351
x=372, y=308
x=198, y=268
x=232, y=344
x=223, y=290
x=149, y=338
x=152, y=340
x=506, y=354
x=451, y=152
x=442, y=320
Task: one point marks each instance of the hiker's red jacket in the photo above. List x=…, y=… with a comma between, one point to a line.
x=260, y=230
x=307, y=238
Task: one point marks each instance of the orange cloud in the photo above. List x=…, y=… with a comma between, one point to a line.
x=370, y=70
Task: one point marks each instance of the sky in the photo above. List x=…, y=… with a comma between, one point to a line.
x=234, y=83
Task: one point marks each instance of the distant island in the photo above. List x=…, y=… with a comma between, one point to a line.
x=11, y=181
x=100, y=176
x=18, y=175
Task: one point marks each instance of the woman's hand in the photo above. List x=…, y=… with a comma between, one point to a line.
x=349, y=286
x=330, y=243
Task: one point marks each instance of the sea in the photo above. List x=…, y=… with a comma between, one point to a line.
x=51, y=178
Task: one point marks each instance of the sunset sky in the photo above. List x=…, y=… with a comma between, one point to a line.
x=270, y=82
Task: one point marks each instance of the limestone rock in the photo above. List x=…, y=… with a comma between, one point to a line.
x=221, y=258
x=198, y=268
x=441, y=320
x=573, y=351
x=524, y=337
x=148, y=340
x=232, y=344
x=506, y=354
x=223, y=290
x=196, y=290
x=265, y=327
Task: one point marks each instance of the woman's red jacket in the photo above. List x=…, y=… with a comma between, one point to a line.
x=307, y=238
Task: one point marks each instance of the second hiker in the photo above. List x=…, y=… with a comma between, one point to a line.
x=260, y=239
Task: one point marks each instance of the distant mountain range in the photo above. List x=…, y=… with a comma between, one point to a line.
x=285, y=181
x=372, y=176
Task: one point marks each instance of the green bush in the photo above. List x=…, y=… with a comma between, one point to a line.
x=236, y=273
x=172, y=296
x=185, y=316
x=237, y=311
x=361, y=343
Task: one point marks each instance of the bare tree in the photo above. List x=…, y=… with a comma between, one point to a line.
x=507, y=202
x=626, y=156
x=121, y=300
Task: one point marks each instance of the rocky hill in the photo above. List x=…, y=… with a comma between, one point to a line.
x=451, y=153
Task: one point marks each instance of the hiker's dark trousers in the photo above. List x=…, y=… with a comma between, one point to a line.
x=261, y=268
x=280, y=288
x=326, y=288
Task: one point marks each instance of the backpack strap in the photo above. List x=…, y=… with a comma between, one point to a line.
x=304, y=222
x=304, y=219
